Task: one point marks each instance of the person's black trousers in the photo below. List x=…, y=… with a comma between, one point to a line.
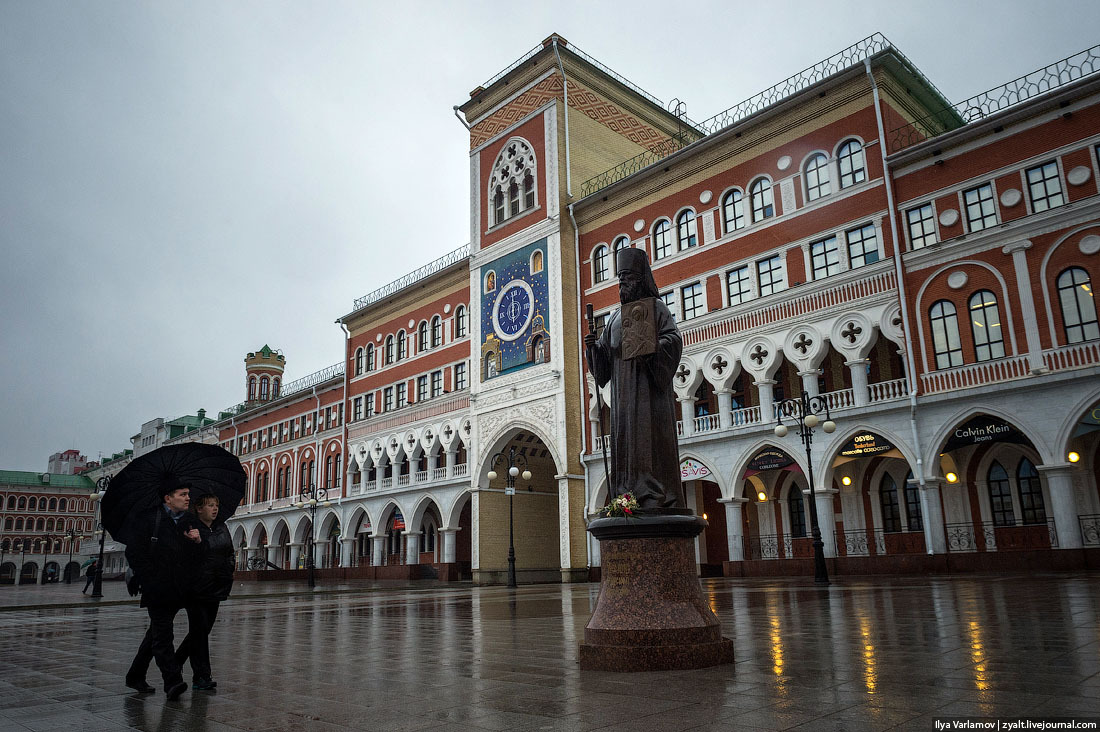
x=196, y=644
x=157, y=644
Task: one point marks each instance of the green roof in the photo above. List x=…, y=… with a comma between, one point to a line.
x=57, y=480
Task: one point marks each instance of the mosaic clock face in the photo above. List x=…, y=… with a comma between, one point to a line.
x=513, y=310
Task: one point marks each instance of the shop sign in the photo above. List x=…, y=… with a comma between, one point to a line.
x=865, y=444
x=981, y=429
x=1089, y=423
x=769, y=458
x=693, y=470
x=398, y=522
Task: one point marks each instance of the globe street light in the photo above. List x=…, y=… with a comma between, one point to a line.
x=806, y=409
x=71, y=533
x=97, y=497
x=310, y=498
x=515, y=462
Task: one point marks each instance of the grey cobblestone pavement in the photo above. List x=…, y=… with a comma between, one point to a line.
x=862, y=654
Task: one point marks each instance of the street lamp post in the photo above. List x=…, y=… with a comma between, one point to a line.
x=101, y=484
x=806, y=410
x=515, y=462
x=71, y=533
x=311, y=497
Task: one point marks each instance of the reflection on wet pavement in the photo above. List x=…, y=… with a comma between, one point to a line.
x=864, y=653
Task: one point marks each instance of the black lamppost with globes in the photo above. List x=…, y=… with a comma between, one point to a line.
x=97, y=497
x=515, y=462
x=807, y=411
x=309, y=499
x=72, y=536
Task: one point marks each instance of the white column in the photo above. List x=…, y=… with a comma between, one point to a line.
x=412, y=547
x=272, y=553
x=433, y=463
x=826, y=521
x=725, y=406
x=934, y=540
x=294, y=550
x=378, y=548
x=858, y=369
x=1063, y=504
x=687, y=414
x=765, y=391
x=1026, y=301
x=809, y=381
x=449, y=539
x=347, y=551
x=452, y=456
x=735, y=538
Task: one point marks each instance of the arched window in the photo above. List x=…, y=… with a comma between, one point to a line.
x=536, y=262
x=816, y=175
x=61, y=505
x=490, y=365
x=22, y=503
x=763, y=205
x=621, y=243
x=912, y=504
x=422, y=336
x=686, y=230
x=275, y=387
x=460, y=322
x=265, y=388
x=985, y=323
x=19, y=524
x=945, y=334
x=733, y=211
x=1078, y=305
x=252, y=388
x=796, y=507
x=40, y=524
x=32, y=505
x=9, y=523
x=53, y=504
x=1032, y=505
x=437, y=332
x=662, y=239
x=358, y=361
x=49, y=524
x=368, y=357
x=512, y=180
x=850, y=161
x=389, y=350
x=1000, y=496
x=11, y=503
x=599, y=264
x=888, y=502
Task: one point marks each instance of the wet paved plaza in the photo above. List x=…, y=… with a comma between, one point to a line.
x=864, y=653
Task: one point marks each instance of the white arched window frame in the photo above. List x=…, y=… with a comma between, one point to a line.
x=662, y=239
x=252, y=388
x=358, y=361
x=538, y=261
x=851, y=163
x=687, y=233
x=621, y=242
x=600, y=267
x=816, y=181
x=513, y=182
x=436, y=332
x=945, y=334
x=402, y=345
x=388, y=359
x=1075, y=295
x=733, y=210
x=762, y=199
x=275, y=388
x=985, y=325
x=422, y=336
x=265, y=386
x=460, y=321
x=369, y=357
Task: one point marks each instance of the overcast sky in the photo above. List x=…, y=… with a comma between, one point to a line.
x=182, y=182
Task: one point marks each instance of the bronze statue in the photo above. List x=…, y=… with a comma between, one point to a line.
x=638, y=353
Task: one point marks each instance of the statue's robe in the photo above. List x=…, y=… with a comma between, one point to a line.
x=645, y=457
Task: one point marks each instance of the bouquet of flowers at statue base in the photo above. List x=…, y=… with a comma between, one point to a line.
x=624, y=505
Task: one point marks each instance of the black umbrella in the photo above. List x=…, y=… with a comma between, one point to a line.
x=208, y=469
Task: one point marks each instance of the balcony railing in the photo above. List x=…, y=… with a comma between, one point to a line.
x=1073, y=356
x=886, y=391
x=706, y=423
x=860, y=542
x=963, y=537
x=767, y=546
x=414, y=413
x=976, y=374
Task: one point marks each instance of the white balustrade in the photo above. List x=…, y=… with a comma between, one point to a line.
x=976, y=374
x=422, y=476
x=706, y=423
x=679, y=428
x=885, y=391
x=385, y=483
x=1072, y=357
x=372, y=485
x=840, y=399
x=460, y=469
x=439, y=473
x=402, y=480
x=745, y=416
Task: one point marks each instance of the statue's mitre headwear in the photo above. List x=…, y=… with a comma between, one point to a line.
x=629, y=259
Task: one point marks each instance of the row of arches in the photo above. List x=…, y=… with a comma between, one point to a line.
x=430, y=334
x=263, y=388
x=30, y=572
x=30, y=523
x=53, y=504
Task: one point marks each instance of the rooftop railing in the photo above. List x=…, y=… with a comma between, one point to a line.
x=415, y=276
x=289, y=388
x=980, y=106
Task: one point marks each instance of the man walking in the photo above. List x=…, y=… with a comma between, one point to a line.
x=90, y=575
x=164, y=556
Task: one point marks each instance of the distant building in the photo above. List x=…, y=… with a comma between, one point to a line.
x=45, y=519
x=69, y=462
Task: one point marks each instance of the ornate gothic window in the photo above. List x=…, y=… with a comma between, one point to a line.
x=512, y=181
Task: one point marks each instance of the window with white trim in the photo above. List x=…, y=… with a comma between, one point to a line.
x=358, y=361
x=692, y=304
x=738, y=285
x=669, y=299
x=1075, y=295
x=851, y=164
x=816, y=176
x=357, y=408
x=825, y=257
x=422, y=337
x=436, y=332
x=1044, y=187
x=733, y=211
x=421, y=388
x=402, y=345
x=389, y=350
x=769, y=275
x=460, y=322
x=662, y=239
x=922, y=226
x=460, y=376
x=387, y=399
x=437, y=383
x=763, y=202
x=600, y=271
x=945, y=334
x=369, y=357
x=981, y=211
x=686, y=236
x=369, y=404
x=621, y=243
x=985, y=323
x=402, y=394
x=862, y=245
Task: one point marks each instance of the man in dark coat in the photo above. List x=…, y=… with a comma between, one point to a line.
x=164, y=556
x=645, y=459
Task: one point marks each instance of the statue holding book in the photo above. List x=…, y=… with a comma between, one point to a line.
x=637, y=353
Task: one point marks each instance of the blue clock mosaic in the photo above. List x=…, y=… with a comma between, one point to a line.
x=514, y=311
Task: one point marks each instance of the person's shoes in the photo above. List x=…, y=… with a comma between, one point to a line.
x=139, y=685
x=204, y=684
x=176, y=690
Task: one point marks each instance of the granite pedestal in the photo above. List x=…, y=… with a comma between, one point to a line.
x=651, y=614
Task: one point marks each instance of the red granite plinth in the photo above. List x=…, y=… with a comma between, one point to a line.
x=651, y=614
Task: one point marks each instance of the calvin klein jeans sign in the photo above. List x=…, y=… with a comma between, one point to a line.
x=984, y=428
